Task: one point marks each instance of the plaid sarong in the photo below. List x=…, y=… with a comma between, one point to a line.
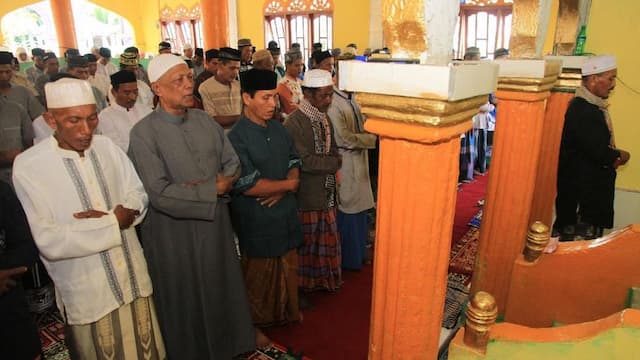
x=319, y=256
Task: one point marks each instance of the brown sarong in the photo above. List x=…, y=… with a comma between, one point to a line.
x=272, y=288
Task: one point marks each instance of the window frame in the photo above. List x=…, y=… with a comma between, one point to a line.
x=280, y=9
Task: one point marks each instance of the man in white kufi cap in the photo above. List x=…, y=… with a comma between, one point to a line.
x=315, y=142
x=83, y=198
x=188, y=166
x=589, y=156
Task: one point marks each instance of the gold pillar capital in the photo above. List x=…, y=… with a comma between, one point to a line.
x=422, y=111
x=533, y=76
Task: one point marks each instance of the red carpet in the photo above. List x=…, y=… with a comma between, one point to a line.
x=338, y=326
x=466, y=208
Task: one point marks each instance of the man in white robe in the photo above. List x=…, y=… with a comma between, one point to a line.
x=117, y=120
x=82, y=198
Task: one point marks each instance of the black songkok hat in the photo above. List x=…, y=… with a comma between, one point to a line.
x=71, y=52
x=319, y=56
x=257, y=79
x=6, y=58
x=37, y=52
x=163, y=45
x=77, y=61
x=48, y=56
x=122, y=77
x=212, y=54
x=199, y=52
x=132, y=49
x=104, y=52
x=91, y=58
x=317, y=46
x=227, y=53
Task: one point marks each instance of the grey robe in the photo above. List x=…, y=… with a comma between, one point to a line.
x=187, y=236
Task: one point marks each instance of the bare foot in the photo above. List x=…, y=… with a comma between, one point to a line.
x=300, y=317
x=262, y=341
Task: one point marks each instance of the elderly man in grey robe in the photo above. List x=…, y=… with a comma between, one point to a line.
x=188, y=166
x=355, y=194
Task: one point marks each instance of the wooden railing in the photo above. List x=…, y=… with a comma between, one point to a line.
x=614, y=337
x=581, y=281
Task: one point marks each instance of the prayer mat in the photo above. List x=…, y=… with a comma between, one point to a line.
x=476, y=220
x=463, y=253
x=457, y=296
x=51, y=328
x=273, y=352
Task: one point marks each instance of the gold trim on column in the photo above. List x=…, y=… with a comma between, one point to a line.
x=418, y=110
x=527, y=84
x=568, y=81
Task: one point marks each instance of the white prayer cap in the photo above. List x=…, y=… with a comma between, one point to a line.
x=317, y=78
x=598, y=64
x=162, y=63
x=187, y=46
x=68, y=92
x=21, y=50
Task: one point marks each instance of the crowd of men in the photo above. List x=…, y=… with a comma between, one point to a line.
x=178, y=209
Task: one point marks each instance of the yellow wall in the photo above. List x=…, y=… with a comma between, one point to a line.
x=610, y=30
x=350, y=22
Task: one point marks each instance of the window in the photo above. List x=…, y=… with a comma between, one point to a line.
x=299, y=21
x=485, y=24
x=181, y=27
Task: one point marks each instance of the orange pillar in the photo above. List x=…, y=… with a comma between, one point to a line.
x=65, y=26
x=416, y=205
x=215, y=23
x=543, y=205
x=516, y=151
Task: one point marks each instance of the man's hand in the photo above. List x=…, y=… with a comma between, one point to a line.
x=224, y=183
x=90, y=214
x=125, y=216
x=6, y=278
x=270, y=201
x=623, y=159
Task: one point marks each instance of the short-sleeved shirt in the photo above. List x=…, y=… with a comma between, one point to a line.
x=23, y=96
x=219, y=99
x=265, y=153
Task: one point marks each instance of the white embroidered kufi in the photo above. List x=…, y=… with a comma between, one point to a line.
x=598, y=64
x=68, y=92
x=317, y=78
x=160, y=64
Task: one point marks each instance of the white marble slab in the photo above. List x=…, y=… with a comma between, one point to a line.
x=450, y=82
x=569, y=62
x=528, y=68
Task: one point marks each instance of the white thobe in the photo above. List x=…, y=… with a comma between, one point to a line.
x=115, y=122
x=106, y=70
x=96, y=267
x=145, y=95
x=41, y=129
x=101, y=82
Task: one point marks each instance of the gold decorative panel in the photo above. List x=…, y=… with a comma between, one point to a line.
x=404, y=28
